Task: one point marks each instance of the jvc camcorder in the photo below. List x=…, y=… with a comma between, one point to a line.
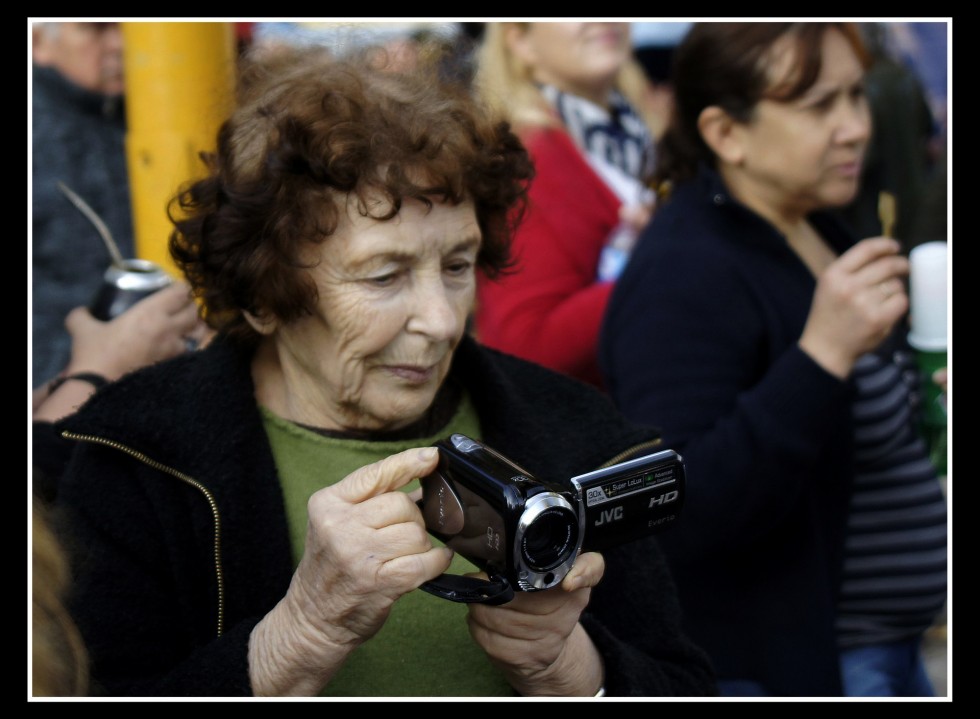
x=525, y=533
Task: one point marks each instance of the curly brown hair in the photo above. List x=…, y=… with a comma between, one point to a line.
x=310, y=131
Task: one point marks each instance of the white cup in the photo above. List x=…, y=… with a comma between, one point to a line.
x=927, y=296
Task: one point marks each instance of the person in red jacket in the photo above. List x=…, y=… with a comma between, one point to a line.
x=557, y=84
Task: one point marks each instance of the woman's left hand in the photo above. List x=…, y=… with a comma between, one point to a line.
x=637, y=217
x=536, y=638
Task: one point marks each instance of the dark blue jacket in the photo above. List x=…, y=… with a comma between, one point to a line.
x=78, y=137
x=700, y=338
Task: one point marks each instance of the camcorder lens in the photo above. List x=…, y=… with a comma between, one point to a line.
x=550, y=539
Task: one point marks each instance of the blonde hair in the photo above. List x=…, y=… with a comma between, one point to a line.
x=635, y=85
x=506, y=84
x=59, y=661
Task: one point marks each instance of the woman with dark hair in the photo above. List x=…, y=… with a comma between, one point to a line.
x=769, y=345
x=243, y=518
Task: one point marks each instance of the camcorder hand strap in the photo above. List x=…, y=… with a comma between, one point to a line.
x=470, y=590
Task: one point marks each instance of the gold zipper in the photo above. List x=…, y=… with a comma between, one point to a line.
x=634, y=450
x=188, y=480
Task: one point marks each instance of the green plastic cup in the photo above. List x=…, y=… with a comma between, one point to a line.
x=934, y=414
x=928, y=335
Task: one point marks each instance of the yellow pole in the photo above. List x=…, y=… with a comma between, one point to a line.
x=179, y=88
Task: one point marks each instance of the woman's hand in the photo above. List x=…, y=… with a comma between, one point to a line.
x=158, y=327
x=154, y=329
x=366, y=546
x=636, y=217
x=536, y=638
x=858, y=300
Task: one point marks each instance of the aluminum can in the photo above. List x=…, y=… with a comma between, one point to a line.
x=124, y=286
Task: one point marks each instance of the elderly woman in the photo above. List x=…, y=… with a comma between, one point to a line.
x=241, y=516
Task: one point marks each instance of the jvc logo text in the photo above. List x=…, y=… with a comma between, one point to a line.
x=609, y=515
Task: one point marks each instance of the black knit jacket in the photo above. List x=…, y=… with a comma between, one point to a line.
x=172, y=509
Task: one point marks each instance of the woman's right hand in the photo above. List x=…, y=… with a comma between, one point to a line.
x=154, y=329
x=857, y=302
x=366, y=546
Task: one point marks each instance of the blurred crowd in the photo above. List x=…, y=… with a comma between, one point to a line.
x=570, y=240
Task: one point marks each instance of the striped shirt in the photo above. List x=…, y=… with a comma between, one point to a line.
x=894, y=580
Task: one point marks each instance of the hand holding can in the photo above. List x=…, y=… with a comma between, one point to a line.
x=125, y=284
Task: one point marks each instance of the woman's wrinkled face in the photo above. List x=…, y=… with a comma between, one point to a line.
x=807, y=153
x=582, y=58
x=394, y=297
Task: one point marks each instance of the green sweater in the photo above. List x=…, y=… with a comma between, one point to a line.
x=424, y=647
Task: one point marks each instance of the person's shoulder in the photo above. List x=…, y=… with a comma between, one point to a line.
x=515, y=366
x=51, y=92
x=680, y=254
x=684, y=229
x=130, y=402
x=536, y=383
x=534, y=401
x=546, y=140
x=563, y=178
x=700, y=216
x=173, y=410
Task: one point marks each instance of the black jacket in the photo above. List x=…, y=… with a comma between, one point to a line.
x=173, y=509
